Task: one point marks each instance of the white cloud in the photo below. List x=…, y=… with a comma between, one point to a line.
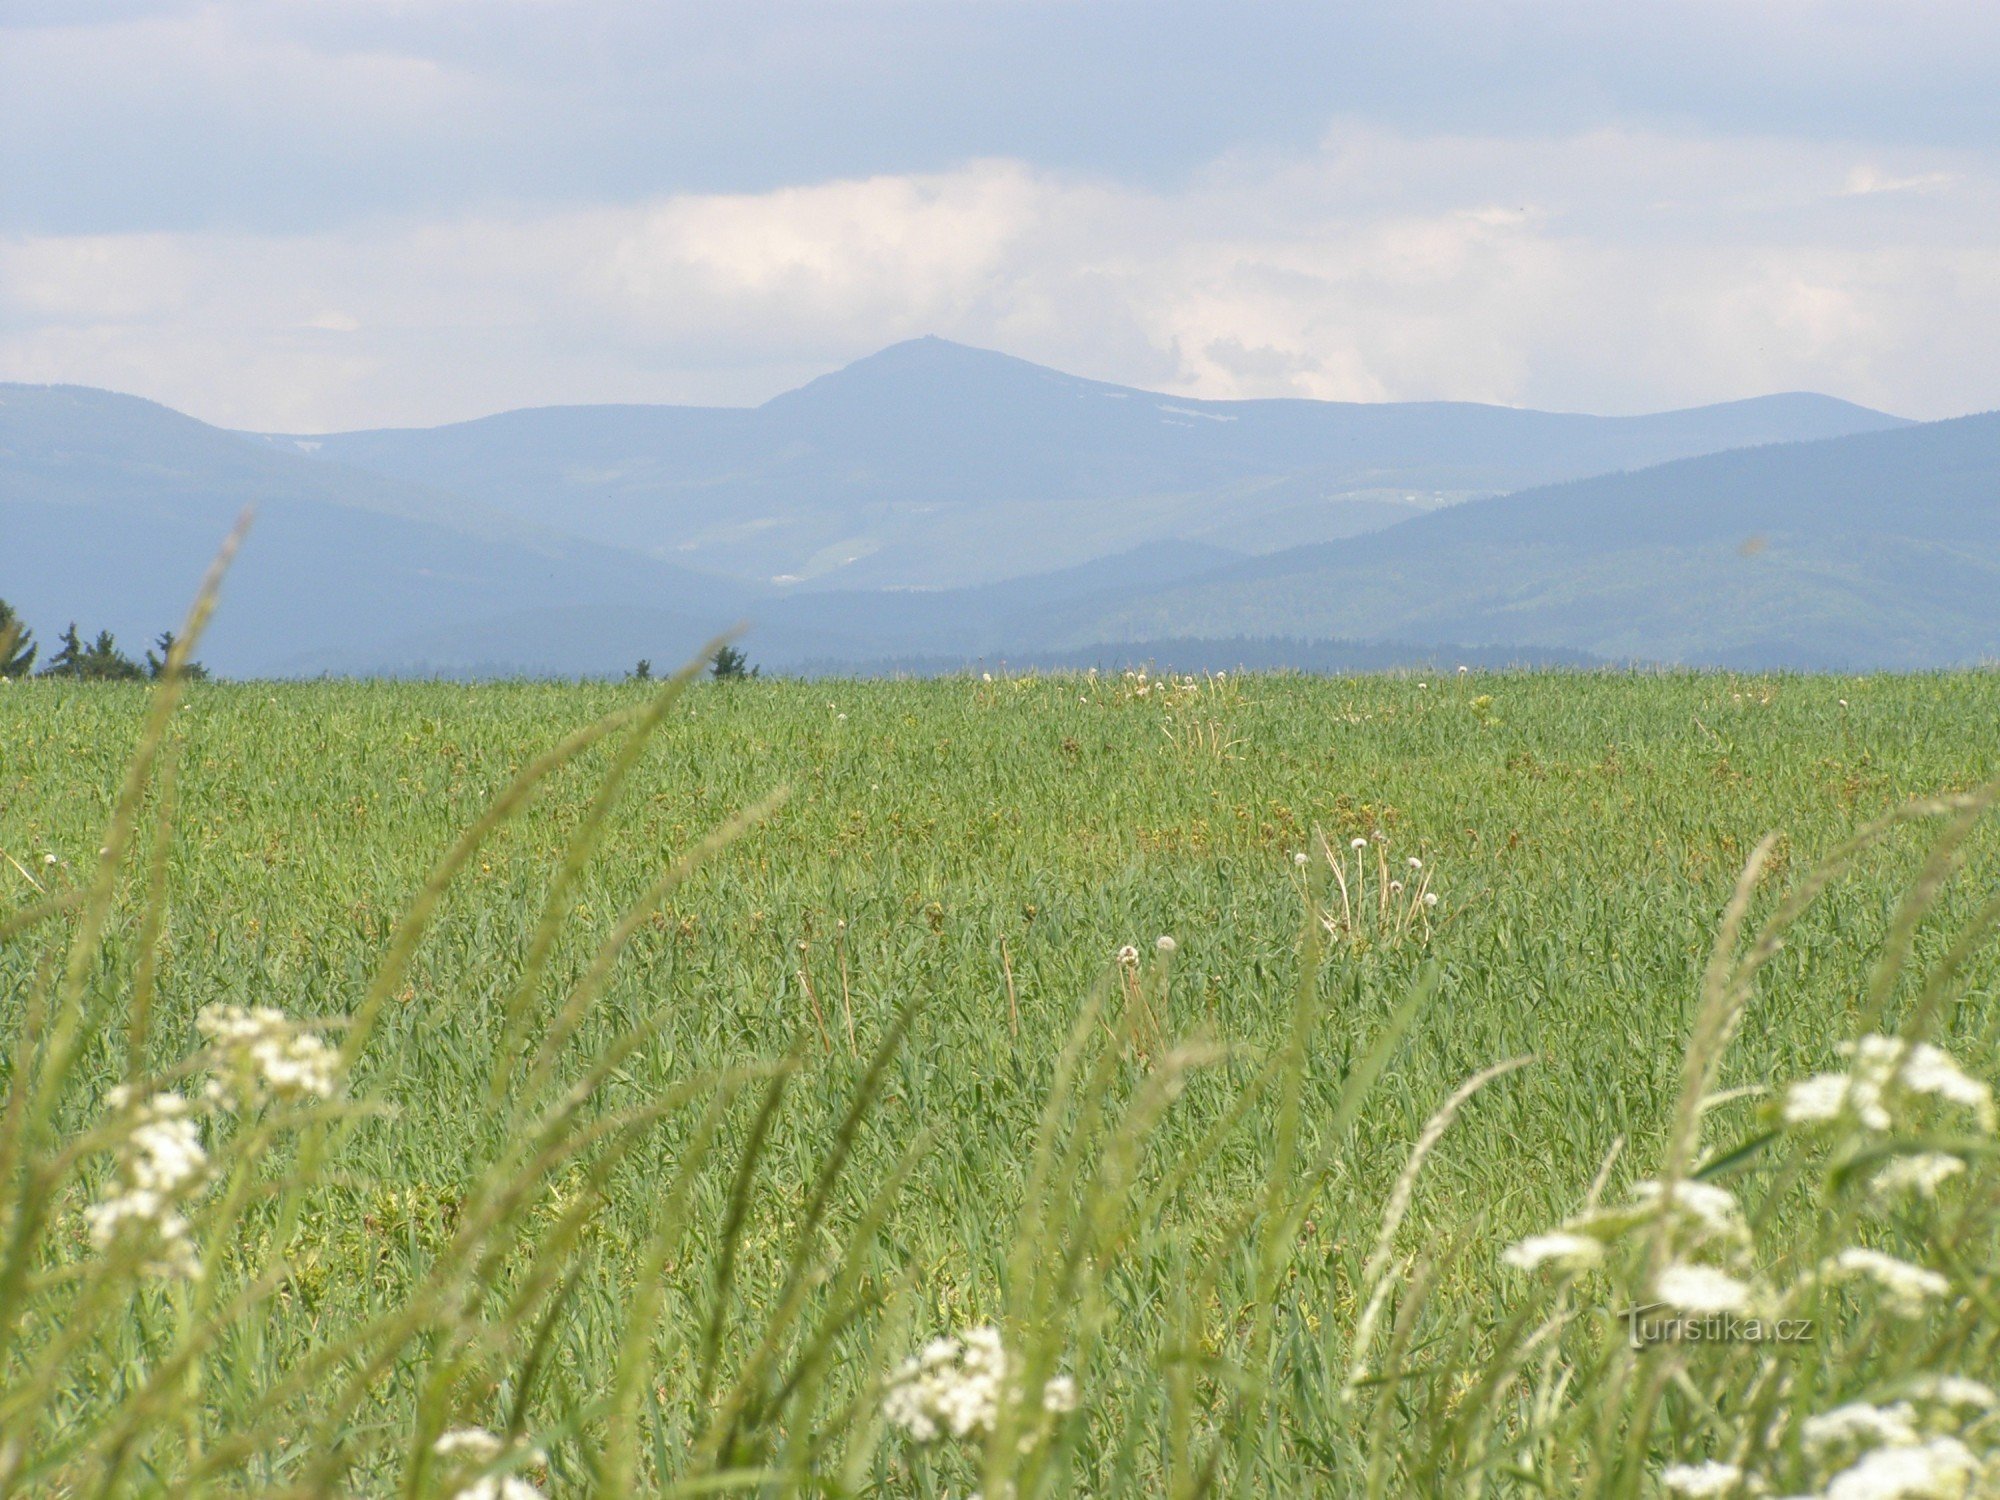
x=1608, y=270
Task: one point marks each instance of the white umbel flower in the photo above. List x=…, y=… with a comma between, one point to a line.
x=1920, y=1174
x=1705, y=1479
x=1712, y=1212
x=161, y=1166
x=1920, y=1068
x=955, y=1386
x=1561, y=1249
x=263, y=1056
x=1827, y=1097
x=1941, y=1469
x=473, y=1445
x=1908, y=1289
x=1952, y=1390
x=1859, y=1425
x=499, y=1487
x=1702, y=1289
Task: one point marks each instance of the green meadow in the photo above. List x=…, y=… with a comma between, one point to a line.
x=873, y=1073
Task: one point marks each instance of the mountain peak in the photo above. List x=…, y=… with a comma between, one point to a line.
x=920, y=372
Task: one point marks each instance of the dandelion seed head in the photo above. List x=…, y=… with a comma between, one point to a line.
x=1163, y=944
x=1430, y=898
x=1301, y=859
x=1128, y=955
x=1357, y=843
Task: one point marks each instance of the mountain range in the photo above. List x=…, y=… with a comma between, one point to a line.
x=933, y=504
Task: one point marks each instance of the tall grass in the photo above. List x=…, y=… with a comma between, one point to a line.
x=524, y=1203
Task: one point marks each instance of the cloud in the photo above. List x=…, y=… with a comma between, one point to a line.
x=1605, y=270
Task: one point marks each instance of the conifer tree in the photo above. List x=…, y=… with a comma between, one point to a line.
x=17, y=643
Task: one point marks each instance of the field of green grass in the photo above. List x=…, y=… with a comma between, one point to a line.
x=970, y=855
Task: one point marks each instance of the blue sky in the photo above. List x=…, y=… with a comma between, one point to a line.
x=305, y=214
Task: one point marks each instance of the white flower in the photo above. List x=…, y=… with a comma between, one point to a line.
x=1908, y=1288
x=473, y=1444
x=1952, y=1390
x=263, y=1057
x=1128, y=955
x=1703, y=1205
x=1565, y=1251
x=955, y=1386
x=1165, y=945
x=1414, y=863
x=1920, y=1068
x=1858, y=1425
x=1357, y=843
x=1921, y=1172
x=985, y=676
x=1711, y=1478
x=161, y=1165
x=1702, y=1289
x=1941, y=1469
x=1301, y=859
x=499, y=1487
x=1430, y=898
x=1829, y=1096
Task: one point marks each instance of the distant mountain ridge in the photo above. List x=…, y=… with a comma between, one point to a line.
x=1874, y=551
x=931, y=464
x=498, y=546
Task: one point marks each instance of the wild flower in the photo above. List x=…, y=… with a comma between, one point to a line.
x=1128, y=955
x=955, y=1386
x=1302, y=859
x=1941, y=1469
x=471, y=1444
x=1561, y=1249
x=1711, y=1478
x=470, y=1448
x=1920, y=1068
x=261, y=1056
x=1907, y=1288
x=1921, y=1173
x=161, y=1166
x=1951, y=1390
x=1709, y=1211
x=1858, y=1425
x=498, y=1487
x=1165, y=946
x=1883, y=1067
x=1693, y=1287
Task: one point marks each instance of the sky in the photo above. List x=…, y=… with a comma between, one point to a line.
x=308, y=215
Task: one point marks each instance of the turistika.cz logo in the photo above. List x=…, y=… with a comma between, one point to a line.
x=1658, y=1323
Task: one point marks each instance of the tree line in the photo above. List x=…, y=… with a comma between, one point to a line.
x=96, y=660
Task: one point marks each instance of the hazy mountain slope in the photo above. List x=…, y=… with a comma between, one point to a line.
x=932, y=464
x=111, y=507
x=1877, y=550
